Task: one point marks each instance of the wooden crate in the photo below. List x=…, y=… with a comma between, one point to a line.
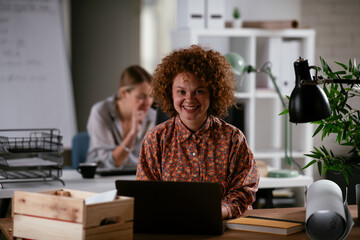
x=62, y=214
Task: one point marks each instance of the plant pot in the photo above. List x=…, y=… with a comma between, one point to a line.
x=339, y=179
x=237, y=23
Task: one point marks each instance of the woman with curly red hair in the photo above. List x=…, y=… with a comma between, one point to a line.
x=195, y=86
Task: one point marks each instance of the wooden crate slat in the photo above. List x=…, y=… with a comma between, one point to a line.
x=62, y=214
x=122, y=207
x=50, y=206
x=42, y=228
x=123, y=231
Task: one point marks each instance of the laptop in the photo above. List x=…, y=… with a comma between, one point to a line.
x=174, y=207
x=115, y=172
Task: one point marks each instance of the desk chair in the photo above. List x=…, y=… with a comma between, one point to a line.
x=80, y=146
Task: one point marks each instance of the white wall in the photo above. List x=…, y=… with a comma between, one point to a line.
x=158, y=19
x=105, y=40
x=255, y=10
x=337, y=26
x=337, y=39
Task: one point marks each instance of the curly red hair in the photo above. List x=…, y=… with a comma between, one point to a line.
x=208, y=65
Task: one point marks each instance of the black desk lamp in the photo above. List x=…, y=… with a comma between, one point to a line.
x=308, y=102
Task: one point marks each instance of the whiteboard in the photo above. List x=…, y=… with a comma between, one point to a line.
x=35, y=83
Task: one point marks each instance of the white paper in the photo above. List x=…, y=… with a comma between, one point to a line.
x=102, y=197
x=29, y=162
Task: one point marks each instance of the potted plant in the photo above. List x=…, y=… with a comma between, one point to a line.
x=237, y=21
x=344, y=122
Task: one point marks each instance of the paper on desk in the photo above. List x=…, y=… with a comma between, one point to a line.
x=327, y=215
x=102, y=197
x=29, y=162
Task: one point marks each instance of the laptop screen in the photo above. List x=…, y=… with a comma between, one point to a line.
x=174, y=207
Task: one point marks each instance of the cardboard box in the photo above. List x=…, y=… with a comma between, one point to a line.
x=62, y=214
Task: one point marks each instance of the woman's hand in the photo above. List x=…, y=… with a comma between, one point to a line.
x=137, y=119
x=224, y=212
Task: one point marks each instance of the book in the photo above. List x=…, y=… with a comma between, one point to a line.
x=265, y=225
x=281, y=24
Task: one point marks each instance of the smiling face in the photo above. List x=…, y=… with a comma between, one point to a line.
x=191, y=100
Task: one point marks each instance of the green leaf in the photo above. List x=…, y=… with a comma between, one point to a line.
x=346, y=127
x=317, y=150
x=324, y=150
x=286, y=111
x=340, y=72
x=323, y=63
x=350, y=65
x=309, y=164
x=346, y=176
x=342, y=65
x=318, y=129
x=312, y=155
x=338, y=137
x=348, y=76
x=319, y=165
x=331, y=153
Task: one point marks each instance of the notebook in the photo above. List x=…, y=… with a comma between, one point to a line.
x=174, y=207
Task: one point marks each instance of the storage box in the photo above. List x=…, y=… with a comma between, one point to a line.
x=191, y=14
x=62, y=214
x=215, y=14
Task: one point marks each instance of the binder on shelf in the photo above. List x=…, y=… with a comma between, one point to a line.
x=215, y=14
x=291, y=52
x=268, y=51
x=191, y=14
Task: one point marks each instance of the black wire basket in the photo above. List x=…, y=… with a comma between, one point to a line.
x=30, y=155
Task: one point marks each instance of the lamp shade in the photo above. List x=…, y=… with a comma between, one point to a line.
x=307, y=103
x=237, y=63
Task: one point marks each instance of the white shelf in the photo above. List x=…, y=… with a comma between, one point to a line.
x=263, y=127
x=241, y=95
x=279, y=153
x=247, y=32
x=299, y=181
x=266, y=93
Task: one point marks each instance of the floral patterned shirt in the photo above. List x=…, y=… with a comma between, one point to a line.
x=218, y=152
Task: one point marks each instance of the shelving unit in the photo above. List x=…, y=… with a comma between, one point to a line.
x=263, y=127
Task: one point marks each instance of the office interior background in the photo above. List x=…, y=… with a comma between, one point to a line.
x=104, y=37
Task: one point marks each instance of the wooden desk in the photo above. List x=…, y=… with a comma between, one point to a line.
x=6, y=224
x=73, y=180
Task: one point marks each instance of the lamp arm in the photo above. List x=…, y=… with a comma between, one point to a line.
x=267, y=70
x=287, y=135
x=318, y=81
x=277, y=90
x=328, y=80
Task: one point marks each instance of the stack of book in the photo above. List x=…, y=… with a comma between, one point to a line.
x=270, y=222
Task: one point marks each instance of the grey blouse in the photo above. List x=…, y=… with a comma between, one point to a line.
x=105, y=130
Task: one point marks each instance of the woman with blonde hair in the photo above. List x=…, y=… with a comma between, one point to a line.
x=118, y=124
